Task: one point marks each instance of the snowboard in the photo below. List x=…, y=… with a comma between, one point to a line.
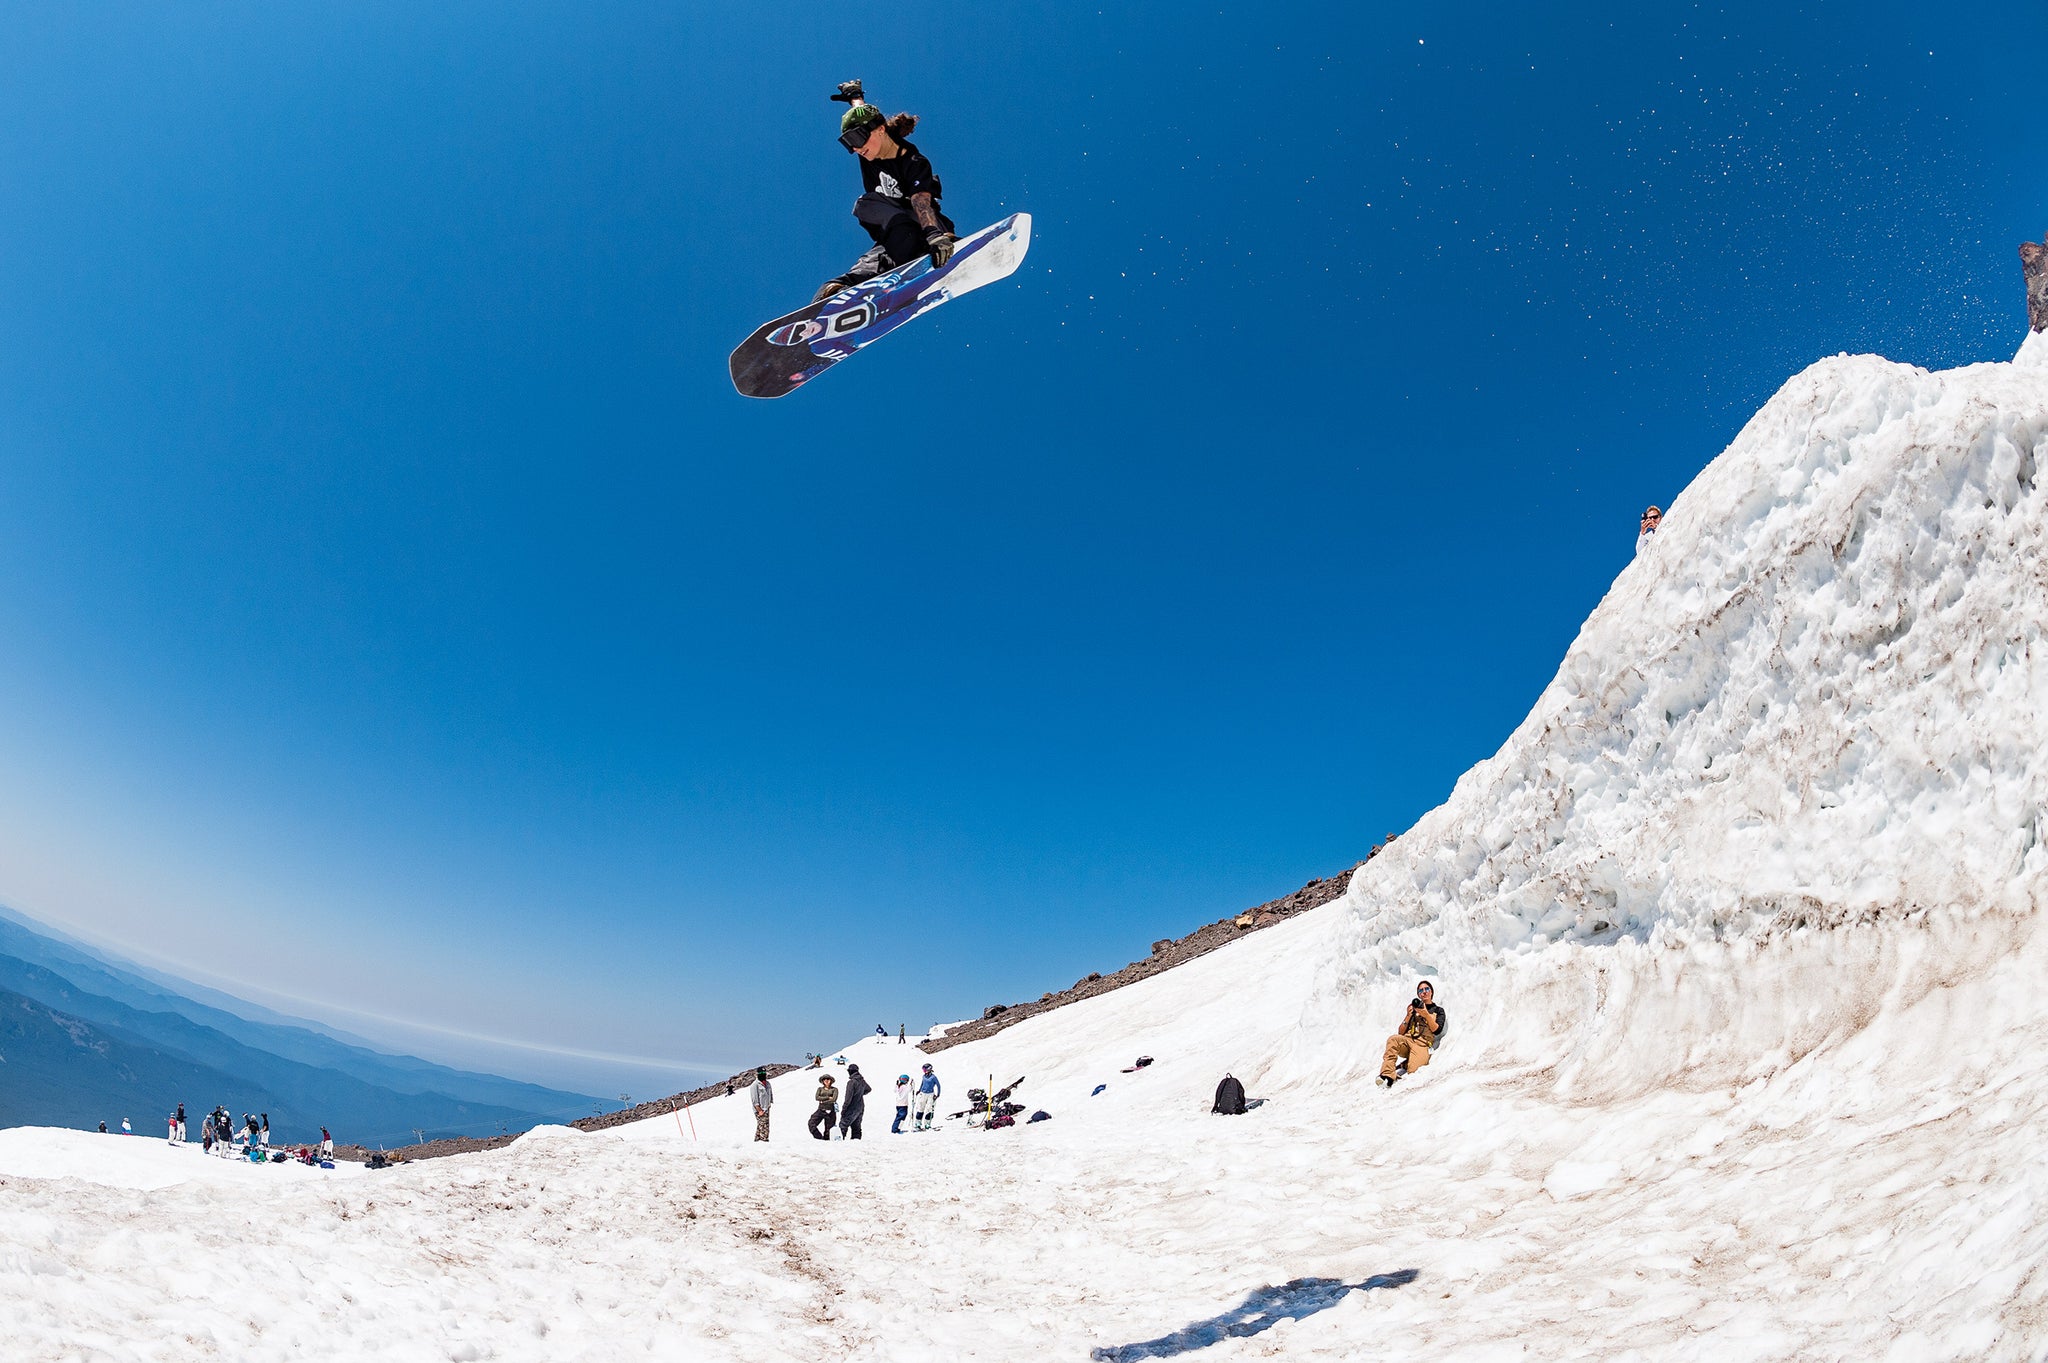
x=792, y=350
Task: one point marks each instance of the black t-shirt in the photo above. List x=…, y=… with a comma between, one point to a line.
x=901, y=176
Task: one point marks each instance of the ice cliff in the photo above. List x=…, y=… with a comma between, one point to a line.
x=1792, y=773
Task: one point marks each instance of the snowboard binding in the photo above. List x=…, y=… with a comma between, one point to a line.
x=850, y=93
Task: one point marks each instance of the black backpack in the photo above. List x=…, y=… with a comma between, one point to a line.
x=1229, y=1097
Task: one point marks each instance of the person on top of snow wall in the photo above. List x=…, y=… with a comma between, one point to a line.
x=764, y=1098
x=1420, y=1027
x=899, y=202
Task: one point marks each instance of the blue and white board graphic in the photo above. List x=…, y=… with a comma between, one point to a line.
x=792, y=350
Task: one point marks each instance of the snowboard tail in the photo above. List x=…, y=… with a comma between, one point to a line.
x=794, y=349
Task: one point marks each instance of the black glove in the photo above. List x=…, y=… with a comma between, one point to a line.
x=940, y=243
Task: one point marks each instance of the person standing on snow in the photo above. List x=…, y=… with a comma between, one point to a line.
x=827, y=1110
x=854, y=1106
x=927, y=1099
x=1421, y=1025
x=266, y=1131
x=902, y=1104
x=901, y=1035
x=181, y=1123
x=764, y=1098
x=326, y=1144
x=899, y=205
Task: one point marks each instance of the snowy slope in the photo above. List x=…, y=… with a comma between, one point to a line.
x=1740, y=937
x=139, y=1162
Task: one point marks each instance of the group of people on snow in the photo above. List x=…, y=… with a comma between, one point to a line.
x=221, y=1134
x=845, y=1110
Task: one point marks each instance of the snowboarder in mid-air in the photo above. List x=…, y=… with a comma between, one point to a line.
x=899, y=203
x=915, y=264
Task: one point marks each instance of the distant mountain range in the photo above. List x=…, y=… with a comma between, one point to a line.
x=86, y=1038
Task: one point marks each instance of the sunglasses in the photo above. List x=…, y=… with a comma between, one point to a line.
x=854, y=138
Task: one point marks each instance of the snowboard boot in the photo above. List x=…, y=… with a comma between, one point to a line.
x=875, y=262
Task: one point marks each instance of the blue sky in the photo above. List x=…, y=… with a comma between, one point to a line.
x=403, y=616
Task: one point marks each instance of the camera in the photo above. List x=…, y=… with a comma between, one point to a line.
x=1415, y=1002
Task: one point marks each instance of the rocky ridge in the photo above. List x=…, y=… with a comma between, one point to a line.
x=1166, y=954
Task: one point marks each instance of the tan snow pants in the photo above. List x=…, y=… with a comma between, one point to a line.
x=1414, y=1050
x=760, y=1123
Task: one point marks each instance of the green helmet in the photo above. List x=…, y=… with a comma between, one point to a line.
x=860, y=115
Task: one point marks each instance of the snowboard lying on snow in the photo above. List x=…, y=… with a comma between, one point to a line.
x=792, y=350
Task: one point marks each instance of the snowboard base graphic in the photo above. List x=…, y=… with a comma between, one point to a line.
x=792, y=350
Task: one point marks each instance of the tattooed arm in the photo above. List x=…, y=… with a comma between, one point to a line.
x=937, y=237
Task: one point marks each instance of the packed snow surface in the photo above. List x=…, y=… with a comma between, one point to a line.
x=1740, y=939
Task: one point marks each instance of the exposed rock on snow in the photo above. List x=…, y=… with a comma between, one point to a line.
x=1166, y=954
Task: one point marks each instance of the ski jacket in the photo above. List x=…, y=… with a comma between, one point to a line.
x=763, y=1096
x=903, y=1094
x=929, y=1084
x=857, y=1090
x=828, y=1094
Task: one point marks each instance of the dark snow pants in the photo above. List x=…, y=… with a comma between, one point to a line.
x=897, y=1128
x=825, y=1116
x=899, y=239
x=849, y=1123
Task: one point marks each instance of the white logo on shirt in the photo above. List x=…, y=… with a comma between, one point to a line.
x=885, y=183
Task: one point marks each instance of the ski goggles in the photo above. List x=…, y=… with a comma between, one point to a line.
x=856, y=137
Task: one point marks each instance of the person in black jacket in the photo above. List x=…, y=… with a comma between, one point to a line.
x=854, y=1105
x=899, y=202
x=1229, y=1097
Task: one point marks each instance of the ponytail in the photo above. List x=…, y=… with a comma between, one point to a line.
x=901, y=125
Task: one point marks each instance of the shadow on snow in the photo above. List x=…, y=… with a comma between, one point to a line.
x=1259, y=1312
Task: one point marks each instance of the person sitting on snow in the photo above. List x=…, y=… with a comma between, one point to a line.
x=1420, y=1027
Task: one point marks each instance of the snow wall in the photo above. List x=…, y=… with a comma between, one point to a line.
x=1791, y=778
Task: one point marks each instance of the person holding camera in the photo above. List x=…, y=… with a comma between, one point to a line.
x=1421, y=1026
